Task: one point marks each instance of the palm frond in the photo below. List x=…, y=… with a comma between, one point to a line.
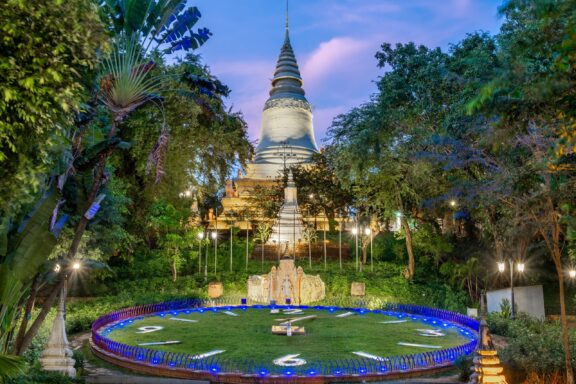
x=10, y=366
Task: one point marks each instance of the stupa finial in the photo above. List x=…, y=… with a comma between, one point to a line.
x=287, y=16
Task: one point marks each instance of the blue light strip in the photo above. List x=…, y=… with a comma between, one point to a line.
x=214, y=365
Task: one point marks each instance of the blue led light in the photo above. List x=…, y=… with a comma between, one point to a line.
x=263, y=372
x=311, y=372
x=362, y=370
x=288, y=372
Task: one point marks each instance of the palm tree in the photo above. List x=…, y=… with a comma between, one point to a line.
x=128, y=80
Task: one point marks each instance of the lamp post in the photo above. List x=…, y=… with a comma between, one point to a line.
x=231, y=244
x=247, y=239
x=215, y=238
x=200, y=237
x=368, y=232
x=501, y=269
x=355, y=233
x=324, y=236
x=279, y=244
x=340, y=241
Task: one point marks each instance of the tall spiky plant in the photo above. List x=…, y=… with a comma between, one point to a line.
x=141, y=31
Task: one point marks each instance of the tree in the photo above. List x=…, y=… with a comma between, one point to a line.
x=533, y=99
x=46, y=62
x=262, y=234
x=166, y=222
x=310, y=236
x=319, y=187
x=140, y=32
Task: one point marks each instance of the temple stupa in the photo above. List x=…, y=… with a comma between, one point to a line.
x=288, y=228
x=286, y=140
x=287, y=133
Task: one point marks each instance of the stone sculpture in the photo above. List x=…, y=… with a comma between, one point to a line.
x=286, y=282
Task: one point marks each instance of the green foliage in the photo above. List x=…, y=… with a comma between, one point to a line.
x=464, y=365
x=533, y=345
x=27, y=251
x=10, y=366
x=320, y=191
x=37, y=376
x=46, y=59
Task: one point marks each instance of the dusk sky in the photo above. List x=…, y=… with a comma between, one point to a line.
x=334, y=41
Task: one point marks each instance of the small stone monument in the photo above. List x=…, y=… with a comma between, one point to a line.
x=358, y=289
x=286, y=283
x=215, y=289
x=57, y=355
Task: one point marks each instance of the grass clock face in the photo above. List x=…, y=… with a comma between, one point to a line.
x=247, y=334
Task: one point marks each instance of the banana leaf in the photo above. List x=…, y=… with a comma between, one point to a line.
x=35, y=243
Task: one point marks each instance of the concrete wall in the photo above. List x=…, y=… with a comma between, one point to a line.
x=529, y=300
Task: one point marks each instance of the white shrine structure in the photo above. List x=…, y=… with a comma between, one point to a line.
x=286, y=140
x=288, y=229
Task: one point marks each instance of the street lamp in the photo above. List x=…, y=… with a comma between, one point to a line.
x=215, y=237
x=502, y=268
x=200, y=237
x=368, y=232
x=340, y=240
x=572, y=273
x=355, y=233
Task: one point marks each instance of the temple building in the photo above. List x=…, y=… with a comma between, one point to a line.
x=286, y=140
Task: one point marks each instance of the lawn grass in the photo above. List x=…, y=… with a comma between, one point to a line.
x=248, y=336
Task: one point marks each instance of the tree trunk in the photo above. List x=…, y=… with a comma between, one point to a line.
x=565, y=330
x=409, y=249
x=27, y=313
x=79, y=232
x=174, y=272
x=48, y=302
x=556, y=253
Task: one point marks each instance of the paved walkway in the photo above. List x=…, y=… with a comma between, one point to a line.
x=102, y=374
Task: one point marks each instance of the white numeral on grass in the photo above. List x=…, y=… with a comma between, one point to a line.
x=150, y=328
x=290, y=361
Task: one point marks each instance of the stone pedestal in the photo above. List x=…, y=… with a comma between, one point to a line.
x=286, y=282
x=215, y=289
x=57, y=355
x=358, y=289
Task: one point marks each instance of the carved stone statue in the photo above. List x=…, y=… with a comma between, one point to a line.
x=286, y=289
x=286, y=282
x=230, y=189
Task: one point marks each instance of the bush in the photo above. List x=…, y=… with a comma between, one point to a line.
x=464, y=365
x=37, y=376
x=534, y=346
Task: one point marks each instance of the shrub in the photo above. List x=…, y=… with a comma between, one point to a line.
x=533, y=346
x=464, y=365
